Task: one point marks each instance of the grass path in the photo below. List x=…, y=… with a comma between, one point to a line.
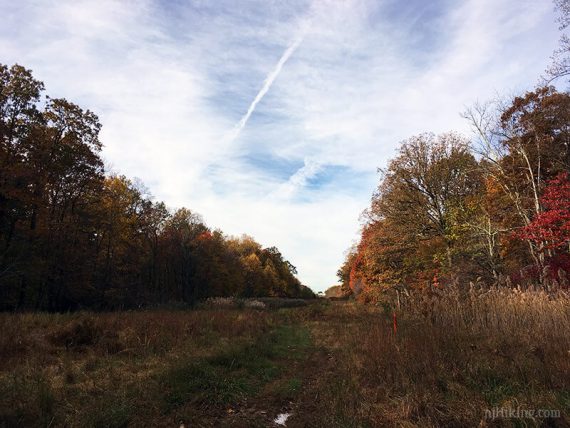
x=238, y=367
x=328, y=364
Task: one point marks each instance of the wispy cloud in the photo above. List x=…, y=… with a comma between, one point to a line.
x=299, y=179
x=341, y=83
x=266, y=86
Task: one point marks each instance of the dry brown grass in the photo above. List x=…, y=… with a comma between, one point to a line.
x=57, y=369
x=32, y=336
x=456, y=353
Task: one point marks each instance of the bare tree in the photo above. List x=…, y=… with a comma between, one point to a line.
x=560, y=66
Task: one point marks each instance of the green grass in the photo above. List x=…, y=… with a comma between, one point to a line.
x=238, y=371
x=111, y=412
x=201, y=383
x=495, y=388
x=288, y=388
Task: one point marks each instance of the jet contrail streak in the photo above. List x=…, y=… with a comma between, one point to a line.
x=266, y=86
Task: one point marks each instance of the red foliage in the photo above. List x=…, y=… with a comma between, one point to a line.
x=557, y=263
x=552, y=226
x=205, y=236
x=435, y=280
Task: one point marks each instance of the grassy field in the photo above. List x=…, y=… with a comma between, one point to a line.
x=328, y=364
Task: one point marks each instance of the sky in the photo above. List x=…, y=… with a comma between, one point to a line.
x=271, y=117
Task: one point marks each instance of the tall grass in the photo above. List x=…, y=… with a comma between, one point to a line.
x=457, y=353
x=533, y=315
x=95, y=369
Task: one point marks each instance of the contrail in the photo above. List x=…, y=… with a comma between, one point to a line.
x=266, y=86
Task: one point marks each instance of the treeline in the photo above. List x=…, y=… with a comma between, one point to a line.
x=493, y=209
x=73, y=237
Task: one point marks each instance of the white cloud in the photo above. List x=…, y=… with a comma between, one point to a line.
x=171, y=79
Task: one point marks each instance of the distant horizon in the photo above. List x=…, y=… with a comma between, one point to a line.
x=271, y=119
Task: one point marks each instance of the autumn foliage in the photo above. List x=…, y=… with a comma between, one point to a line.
x=73, y=236
x=552, y=226
x=494, y=209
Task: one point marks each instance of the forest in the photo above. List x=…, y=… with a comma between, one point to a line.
x=73, y=236
x=493, y=208
x=497, y=210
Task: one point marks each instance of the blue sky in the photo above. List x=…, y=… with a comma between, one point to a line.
x=331, y=87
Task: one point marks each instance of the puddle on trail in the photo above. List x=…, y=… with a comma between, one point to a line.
x=282, y=418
